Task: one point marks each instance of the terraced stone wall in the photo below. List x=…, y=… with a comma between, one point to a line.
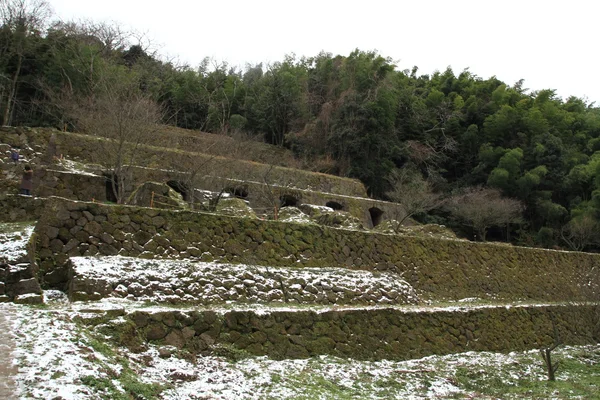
x=18, y=208
x=75, y=186
x=85, y=187
x=197, y=283
x=224, y=146
x=85, y=148
x=440, y=269
x=387, y=333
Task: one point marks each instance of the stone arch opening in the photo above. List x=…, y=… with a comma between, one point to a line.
x=111, y=196
x=376, y=216
x=239, y=192
x=288, y=201
x=180, y=188
x=335, y=205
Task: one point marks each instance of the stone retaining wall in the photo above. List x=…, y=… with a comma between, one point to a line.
x=86, y=187
x=187, y=282
x=75, y=186
x=363, y=333
x=437, y=268
x=19, y=208
x=86, y=148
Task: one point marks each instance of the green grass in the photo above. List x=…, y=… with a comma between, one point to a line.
x=314, y=386
x=128, y=380
x=101, y=347
x=577, y=377
x=135, y=389
x=15, y=227
x=132, y=387
x=57, y=375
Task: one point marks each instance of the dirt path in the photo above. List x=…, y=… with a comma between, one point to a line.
x=7, y=370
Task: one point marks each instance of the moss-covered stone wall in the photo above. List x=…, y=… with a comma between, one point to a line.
x=388, y=333
x=88, y=187
x=440, y=269
x=85, y=148
x=19, y=208
x=76, y=186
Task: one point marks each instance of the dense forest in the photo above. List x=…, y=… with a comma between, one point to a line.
x=353, y=115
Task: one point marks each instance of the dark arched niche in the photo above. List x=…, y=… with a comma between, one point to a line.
x=376, y=216
x=288, y=201
x=335, y=205
x=180, y=188
x=239, y=192
x=110, y=192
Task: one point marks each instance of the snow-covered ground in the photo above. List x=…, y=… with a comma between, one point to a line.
x=13, y=241
x=59, y=359
x=47, y=354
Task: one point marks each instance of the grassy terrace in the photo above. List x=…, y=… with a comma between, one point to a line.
x=78, y=361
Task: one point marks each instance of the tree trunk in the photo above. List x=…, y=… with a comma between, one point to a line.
x=6, y=120
x=482, y=232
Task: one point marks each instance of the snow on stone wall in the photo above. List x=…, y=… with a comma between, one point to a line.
x=441, y=269
x=367, y=333
x=211, y=283
x=19, y=208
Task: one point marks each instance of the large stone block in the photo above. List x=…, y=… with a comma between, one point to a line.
x=29, y=298
x=25, y=286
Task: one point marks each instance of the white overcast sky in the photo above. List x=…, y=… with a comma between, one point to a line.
x=552, y=44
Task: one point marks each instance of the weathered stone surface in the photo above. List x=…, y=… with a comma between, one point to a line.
x=51, y=232
x=26, y=286
x=156, y=331
x=93, y=228
x=140, y=319
x=166, y=351
x=107, y=250
x=175, y=338
x=29, y=299
x=435, y=266
x=57, y=276
x=158, y=221
x=107, y=238
x=71, y=244
x=375, y=333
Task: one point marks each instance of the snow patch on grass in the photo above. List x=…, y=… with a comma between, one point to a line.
x=57, y=357
x=13, y=241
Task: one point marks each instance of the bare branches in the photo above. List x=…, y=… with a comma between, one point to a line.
x=25, y=15
x=581, y=232
x=482, y=207
x=413, y=193
x=546, y=353
x=123, y=118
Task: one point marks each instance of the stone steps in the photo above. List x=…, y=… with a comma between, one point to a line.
x=18, y=277
x=369, y=333
x=19, y=284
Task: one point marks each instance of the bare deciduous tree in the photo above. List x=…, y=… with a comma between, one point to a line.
x=195, y=167
x=481, y=208
x=414, y=194
x=274, y=193
x=123, y=118
x=581, y=232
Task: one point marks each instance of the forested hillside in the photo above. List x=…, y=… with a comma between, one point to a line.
x=353, y=115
